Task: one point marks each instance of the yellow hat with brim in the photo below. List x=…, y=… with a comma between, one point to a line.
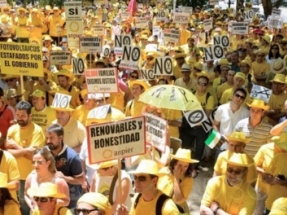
x=6, y=7
x=280, y=141
x=198, y=66
x=202, y=74
x=246, y=62
x=47, y=37
x=38, y=93
x=143, y=83
x=148, y=167
x=65, y=72
x=5, y=77
x=4, y=182
x=279, y=78
x=238, y=137
x=83, y=93
x=144, y=37
x=11, y=93
x=66, y=109
x=259, y=51
x=179, y=55
x=106, y=164
x=224, y=62
x=46, y=189
x=258, y=103
x=21, y=9
x=279, y=207
x=266, y=38
x=183, y=155
x=97, y=200
x=240, y=159
x=277, y=66
x=240, y=75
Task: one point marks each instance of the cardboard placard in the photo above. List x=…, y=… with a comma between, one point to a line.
x=140, y=22
x=163, y=66
x=120, y=42
x=78, y=66
x=60, y=57
x=98, y=30
x=260, y=92
x=61, y=100
x=90, y=44
x=74, y=23
x=222, y=40
x=130, y=57
x=208, y=24
x=181, y=18
x=240, y=28
x=213, y=52
x=171, y=35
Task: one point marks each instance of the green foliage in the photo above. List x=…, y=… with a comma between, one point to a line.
x=191, y=3
x=52, y=3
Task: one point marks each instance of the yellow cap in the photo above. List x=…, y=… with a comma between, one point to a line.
x=39, y=94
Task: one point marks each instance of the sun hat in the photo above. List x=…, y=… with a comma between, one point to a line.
x=279, y=207
x=149, y=167
x=198, y=66
x=65, y=72
x=38, y=93
x=202, y=73
x=277, y=66
x=143, y=83
x=185, y=68
x=280, y=78
x=21, y=9
x=240, y=159
x=238, y=137
x=4, y=181
x=183, y=155
x=258, y=103
x=266, y=38
x=247, y=62
x=280, y=141
x=97, y=200
x=224, y=62
x=179, y=55
x=106, y=164
x=11, y=93
x=46, y=189
x=47, y=37
x=259, y=51
x=240, y=75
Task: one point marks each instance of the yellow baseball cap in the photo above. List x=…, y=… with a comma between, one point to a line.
x=39, y=94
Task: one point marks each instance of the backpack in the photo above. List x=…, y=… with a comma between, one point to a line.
x=159, y=204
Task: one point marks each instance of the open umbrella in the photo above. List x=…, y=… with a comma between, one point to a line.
x=170, y=97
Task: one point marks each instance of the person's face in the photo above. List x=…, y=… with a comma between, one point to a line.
x=277, y=88
x=235, y=146
x=238, y=98
x=185, y=75
x=40, y=163
x=234, y=58
x=84, y=208
x=62, y=117
x=238, y=82
x=260, y=57
x=190, y=42
x=256, y=113
x=202, y=85
x=145, y=183
x=11, y=82
x=235, y=174
x=22, y=13
x=137, y=90
x=209, y=63
x=244, y=68
x=89, y=103
x=63, y=81
x=38, y=103
x=12, y=101
x=223, y=71
x=47, y=43
x=106, y=171
x=274, y=49
x=45, y=204
x=183, y=166
x=22, y=118
x=53, y=141
x=230, y=76
x=180, y=60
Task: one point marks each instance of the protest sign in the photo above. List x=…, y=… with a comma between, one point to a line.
x=160, y=16
x=114, y=140
x=181, y=18
x=21, y=59
x=213, y=52
x=140, y=22
x=61, y=101
x=3, y=3
x=248, y=15
x=195, y=117
x=125, y=15
x=98, y=30
x=260, y=92
x=101, y=80
x=130, y=58
x=207, y=23
x=106, y=50
x=78, y=66
x=163, y=66
x=60, y=57
x=276, y=12
x=156, y=30
x=120, y=42
x=100, y=112
x=275, y=22
x=155, y=131
x=90, y=44
x=147, y=74
x=186, y=9
x=240, y=28
x=171, y=35
x=213, y=2
x=222, y=40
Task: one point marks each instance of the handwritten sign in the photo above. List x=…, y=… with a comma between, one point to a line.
x=181, y=18
x=260, y=92
x=61, y=101
x=171, y=35
x=90, y=44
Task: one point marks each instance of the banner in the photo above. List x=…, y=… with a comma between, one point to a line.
x=171, y=35
x=60, y=57
x=114, y=140
x=102, y=80
x=21, y=59
x=90, y=44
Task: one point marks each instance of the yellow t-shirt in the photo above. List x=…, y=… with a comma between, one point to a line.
x=260, y=70
x=216, y=83
x=144, y=208
x=277, y=102
x=80, y=114
x=263, y=159
x=177, y=71
x=184, y=35
x=29, y=136
x=21, y=30
x=43, y=118
x=55, y=22
x=170, y=114
x=276, y=167
x=206, y=104
x=62, y=211
x=239, y=199
x=11, y=207
x=134, y=108
x=222, y=88
x=117, y=100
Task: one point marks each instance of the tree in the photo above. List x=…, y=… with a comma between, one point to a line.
x=268, y=5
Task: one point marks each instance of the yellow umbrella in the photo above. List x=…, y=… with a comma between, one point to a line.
x=170, y=97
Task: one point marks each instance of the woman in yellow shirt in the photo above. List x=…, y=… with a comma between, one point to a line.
x=22, y=32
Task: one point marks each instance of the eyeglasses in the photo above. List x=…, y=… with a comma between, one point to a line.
x=37, y=162
x=134, y=76
x=43, y=199
x=84, y=211
x=10, y=80
x=202, y=84
x=275, y=48
x=235, y=171
x=239, y=96
x=140, y=178
x=150, y=58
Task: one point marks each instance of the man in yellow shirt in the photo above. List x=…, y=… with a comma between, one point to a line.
x=22, y=141
x=226, y=85
x=230, y=193
x=42, y=114
x=56, y=23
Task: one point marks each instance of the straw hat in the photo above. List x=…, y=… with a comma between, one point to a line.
x=97, y=200
x=46, y=189
x=65, y=72
x=21, y=9
x=240, y=159
x=277, y=66
x=47, y=37
x=224, y=63
x=198, y=66
x=280, y=141
x=11, y=93
x=143, y=83
x=179, y=55
x=240, y=75
x=280, y=78
x=202, y=73
x=4, y=181
x=259, y=51
x=6, y=7
x=183, y=155
x=185, y=68
x=149, y=167
x=266, y=38
x=38, y=93
x=238, y=137
x=247, y=62
x=279, y=207
x=258, y=103
x=106, y=164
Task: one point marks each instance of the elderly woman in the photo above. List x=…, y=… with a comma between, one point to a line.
x=45, y=171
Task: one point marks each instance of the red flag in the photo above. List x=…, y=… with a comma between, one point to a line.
x=132, y=7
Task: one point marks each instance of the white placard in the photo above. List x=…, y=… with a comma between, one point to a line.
x=120, y=42
x=114, y=140
x=185, y=9
x=156, y=30
x=3, y=3
x=101, y=80
x=275, y=22
x=181, y=18
x=60, y=57
x=213, y=52
x=239, y=28
x=130, y=58
x=78, y=66
x=160, y=16
x=90, y=44
x=276, y=12
x=248, y=15
x=222, y=40
x=195, y=117
x=171, y=35
x=155, y=131
x=61, y=100
x=106, y=50
x=98, y=30
x=73, y=10
x=260, y=92
x=208, y=24
x=213, y=2
x=163, y=66
x=125, y=15
x=74, y=23
x=140, y=22
x=147, y=74
x=100, y=112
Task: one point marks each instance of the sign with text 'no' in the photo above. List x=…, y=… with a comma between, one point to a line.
x=120, y=42
x=213, y=52
x=130, y=58
x=61, y=101
x=260, y=92
x=147, y=74
x=163, y=66
x=114, y=140
x=222, y=40
x=78, y=66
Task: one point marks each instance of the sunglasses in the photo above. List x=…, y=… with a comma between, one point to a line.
x=239, y=96
x=37, y=162
x=235, y=171
x=85, y=211
x=140, y=178
x=275, y=48
x=133, y=76
x=202, y=84
x=43, y=199
x=150, y=58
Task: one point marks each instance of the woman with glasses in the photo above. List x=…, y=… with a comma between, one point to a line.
x=45, y=171
x=274, y=53
x=93, y=204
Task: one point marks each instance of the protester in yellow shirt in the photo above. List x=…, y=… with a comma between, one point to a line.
x=21, y=22
x=226, y=85
x=56, y=23
x=184, y=34
x=35, y=23
x=260, y=67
